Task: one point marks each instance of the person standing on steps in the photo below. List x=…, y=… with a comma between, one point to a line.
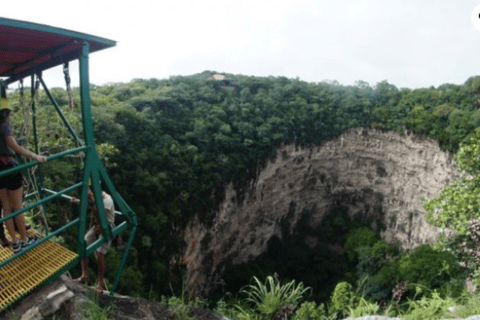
x=11, y=186
x=95, y=233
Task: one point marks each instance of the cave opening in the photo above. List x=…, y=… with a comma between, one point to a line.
x=309, y=253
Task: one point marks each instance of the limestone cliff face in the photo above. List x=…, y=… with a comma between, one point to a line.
x=374, y=175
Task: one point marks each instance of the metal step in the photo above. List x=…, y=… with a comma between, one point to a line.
x=30, y=270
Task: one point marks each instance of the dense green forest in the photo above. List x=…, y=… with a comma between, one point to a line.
x=172, y=145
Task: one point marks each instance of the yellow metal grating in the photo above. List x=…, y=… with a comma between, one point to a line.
x=30, y=270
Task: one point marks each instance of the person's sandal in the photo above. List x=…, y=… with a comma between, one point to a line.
x=29, y=242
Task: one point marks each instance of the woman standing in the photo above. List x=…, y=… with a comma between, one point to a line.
x=11, y=188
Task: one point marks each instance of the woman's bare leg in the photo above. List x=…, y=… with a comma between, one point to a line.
x=6, y=211
x=16, y=197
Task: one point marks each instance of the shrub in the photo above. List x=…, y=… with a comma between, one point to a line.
x=359, y=238
x=389, y=273
x=374, y=263
x=377, y=290
x=453, y=288
x=468, y=304
x=179, y=307
x=227, y=308
x=270, y=305
x=268, y=298
x=364, y=308
x=367, y=263
x=342, y=298
x=310, y=311
x=379, y=248
x=428, y=308
x=429, y=267
x=386, y=252
x=372, y=259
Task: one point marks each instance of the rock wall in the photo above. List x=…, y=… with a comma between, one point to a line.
x=371, y=173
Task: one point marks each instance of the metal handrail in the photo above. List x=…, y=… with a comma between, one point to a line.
x=49, y=198
x=34, y=163
x=64, y=196
x=42, y=201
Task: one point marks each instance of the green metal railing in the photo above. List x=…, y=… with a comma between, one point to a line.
x=36, y=163
x=93, y=170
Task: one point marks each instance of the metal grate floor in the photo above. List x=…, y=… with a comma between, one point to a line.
x=30, y=270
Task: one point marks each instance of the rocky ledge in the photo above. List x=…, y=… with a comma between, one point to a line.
x=68, y=300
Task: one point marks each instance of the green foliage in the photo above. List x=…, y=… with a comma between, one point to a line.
x=370, y=262
x=246, y=314
x=269, y=297
x=359, y=238
x=377, y=289
x=91, y=309
x=468, y=304
x=224, y=309
x=171, y=145
x=363, y=308
x=431, y=305
x=181, y=308
x=367, y=263
x=428, y=308
x=15, y=316
x=460, y=202
x=377, y=282
x=384, y=253
x=424, y=266
x=453, y=288
x=320, y=267
x=310, y=311
x=182, y=138
x=342, y=297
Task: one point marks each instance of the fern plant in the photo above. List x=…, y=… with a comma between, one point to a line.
x=269, y=297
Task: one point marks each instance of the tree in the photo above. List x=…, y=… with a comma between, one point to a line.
x=460, y=202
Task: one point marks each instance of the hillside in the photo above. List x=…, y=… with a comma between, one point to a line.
x=174, y=146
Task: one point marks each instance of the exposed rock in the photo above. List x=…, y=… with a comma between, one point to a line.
x=69, y=300
x=374, y=175
x=47, y=300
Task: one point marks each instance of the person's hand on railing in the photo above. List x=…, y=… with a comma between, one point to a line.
x=40, y=158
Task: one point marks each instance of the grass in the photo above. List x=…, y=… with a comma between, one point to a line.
x=180, y=307
x=262, y=301
x=272, y=299
x=93, y=310
x=434, y=307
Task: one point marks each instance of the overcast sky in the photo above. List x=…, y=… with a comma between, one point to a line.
x=409, y=43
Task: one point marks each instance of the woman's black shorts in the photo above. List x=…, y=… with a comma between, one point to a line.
x=12, y=181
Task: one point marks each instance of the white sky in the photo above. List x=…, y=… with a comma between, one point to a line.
x=409, y=43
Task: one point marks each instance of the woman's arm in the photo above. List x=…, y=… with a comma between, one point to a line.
x=12, y=143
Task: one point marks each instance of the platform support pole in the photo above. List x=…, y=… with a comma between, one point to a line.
x=123, y=261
